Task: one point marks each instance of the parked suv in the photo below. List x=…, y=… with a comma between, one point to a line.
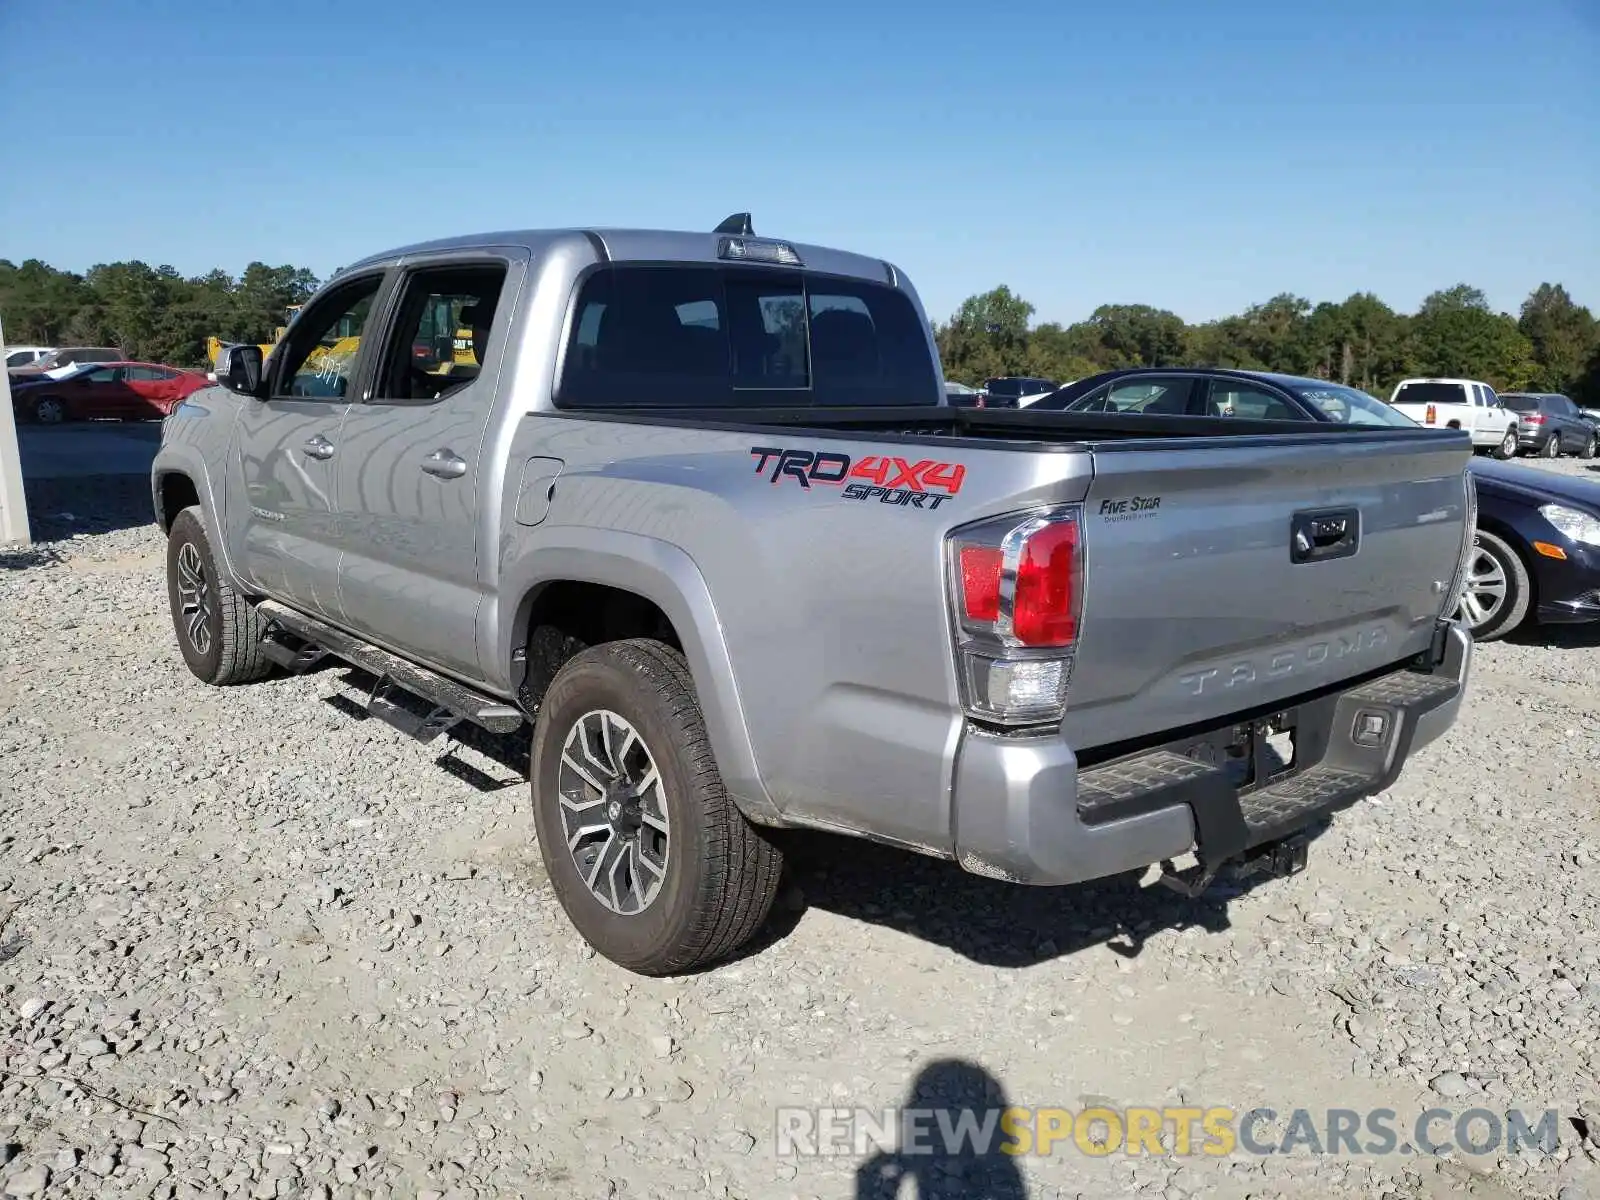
x=1551, y=425
x=698, y=511
x=59, y=363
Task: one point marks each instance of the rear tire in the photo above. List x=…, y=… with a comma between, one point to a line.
x=218, y=630
x=1551, y=447
x=683, y=879
x=1591, y=447
x=1507, y=447
x=1498, y=589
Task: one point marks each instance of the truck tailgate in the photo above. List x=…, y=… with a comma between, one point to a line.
x=1226, y=575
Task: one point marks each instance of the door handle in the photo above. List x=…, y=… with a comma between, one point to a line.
x=319, y=447
x=445, y=463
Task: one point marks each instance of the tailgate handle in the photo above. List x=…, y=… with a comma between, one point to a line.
x=1324, y=534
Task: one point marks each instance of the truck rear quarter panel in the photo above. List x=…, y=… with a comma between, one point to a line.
x=825, y=613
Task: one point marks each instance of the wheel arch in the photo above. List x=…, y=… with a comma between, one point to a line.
x=1513, y=537
x=179, y=478
x=617, y=585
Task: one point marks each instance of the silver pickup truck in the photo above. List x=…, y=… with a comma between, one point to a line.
x=694, y=506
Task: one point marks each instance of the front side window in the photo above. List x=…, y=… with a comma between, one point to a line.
x=682, y=336
x=323, y=346
x=1233, y=398
x=103, y=375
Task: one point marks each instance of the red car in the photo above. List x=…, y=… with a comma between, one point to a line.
x=133, y=391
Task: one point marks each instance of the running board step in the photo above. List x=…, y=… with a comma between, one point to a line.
x=417, y=701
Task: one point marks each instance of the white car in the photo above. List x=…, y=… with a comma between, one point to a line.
x=1468, y=404
x=21, y=356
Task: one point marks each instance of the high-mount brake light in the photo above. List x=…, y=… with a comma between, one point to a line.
x=1016, y=591
x=744, y=249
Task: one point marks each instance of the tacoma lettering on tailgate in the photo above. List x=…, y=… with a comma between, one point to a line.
x=1283, y=663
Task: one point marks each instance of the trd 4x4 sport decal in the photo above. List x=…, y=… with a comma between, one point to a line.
x=926, y=483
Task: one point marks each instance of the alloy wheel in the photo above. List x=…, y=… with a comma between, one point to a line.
x=47, y=410
x=614, y=811
x=1485, y=591
x=194, y=597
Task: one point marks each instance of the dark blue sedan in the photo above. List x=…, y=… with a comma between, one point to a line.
x=1537, y=550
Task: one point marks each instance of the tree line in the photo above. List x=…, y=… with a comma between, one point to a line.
x=1553, y=344
x=151, y=313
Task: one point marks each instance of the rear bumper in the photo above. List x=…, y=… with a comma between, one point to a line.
x=1026, y=813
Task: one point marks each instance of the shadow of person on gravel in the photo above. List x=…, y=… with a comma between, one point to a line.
x=949, y=1098
x=985, y=920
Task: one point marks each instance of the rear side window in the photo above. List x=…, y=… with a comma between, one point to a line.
x=1432, y=393
x=679, y=336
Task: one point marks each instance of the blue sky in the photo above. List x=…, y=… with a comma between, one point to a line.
x=1195, y=156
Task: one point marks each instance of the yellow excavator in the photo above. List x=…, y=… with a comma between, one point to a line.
x=437, y=349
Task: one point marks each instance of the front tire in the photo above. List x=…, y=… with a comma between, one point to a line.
x=1507, y=447
x=218, y=630
x=49, y=410
x=1495, y=599
x=648, y=855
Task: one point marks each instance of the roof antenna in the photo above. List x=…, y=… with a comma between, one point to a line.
x=738, y=225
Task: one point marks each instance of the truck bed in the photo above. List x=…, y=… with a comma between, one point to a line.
x=997, y=428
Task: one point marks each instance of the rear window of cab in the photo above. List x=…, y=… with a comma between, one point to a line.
x=648, y=336
x=1431, y=393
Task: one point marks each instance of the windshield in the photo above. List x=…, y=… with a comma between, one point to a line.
x=1350, y=406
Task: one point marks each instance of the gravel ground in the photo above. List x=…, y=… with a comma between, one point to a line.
x=252, y=945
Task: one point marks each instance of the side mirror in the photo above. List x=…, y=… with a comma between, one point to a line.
x=239, y=369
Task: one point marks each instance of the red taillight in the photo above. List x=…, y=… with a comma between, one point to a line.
x=1043, y=611
x=1433, y=415
x=1533, y=418
x=1046, y=566
x=980, y=582
x=1016, y=597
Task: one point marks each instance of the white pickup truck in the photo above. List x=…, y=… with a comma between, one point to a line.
x=1460, y=404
